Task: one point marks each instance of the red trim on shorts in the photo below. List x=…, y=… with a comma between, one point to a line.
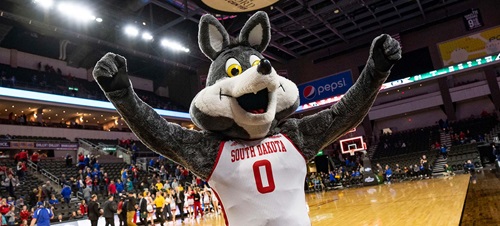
x=221, y=147
x=222, y=206
x=298, y=150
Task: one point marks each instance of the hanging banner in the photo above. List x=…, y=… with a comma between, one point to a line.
x=473, y=19
x=470, y=47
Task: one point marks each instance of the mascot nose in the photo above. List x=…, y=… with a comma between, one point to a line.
x=264, y=67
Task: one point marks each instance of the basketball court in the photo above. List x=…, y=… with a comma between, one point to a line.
x=422, y=202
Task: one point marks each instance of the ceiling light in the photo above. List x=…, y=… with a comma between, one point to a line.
x=144, y=23
x=147, y=36
x=174, y=45
x=336, y=11
x=131, y=31
x=12, y=106
x=64, y=111
x=98, y=20
x=44, y=3
x=75, y=11
x=56, y=114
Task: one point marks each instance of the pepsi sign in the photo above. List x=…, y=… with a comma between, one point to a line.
x=326, y=87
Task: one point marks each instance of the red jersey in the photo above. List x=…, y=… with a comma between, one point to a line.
x=24, y=214
x=83, y=209
x=35, y=157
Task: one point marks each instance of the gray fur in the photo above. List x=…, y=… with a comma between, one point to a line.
x=198, y=150
x=260, y=21
x=207, y=38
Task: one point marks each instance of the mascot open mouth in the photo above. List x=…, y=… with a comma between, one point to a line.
x=255, y=103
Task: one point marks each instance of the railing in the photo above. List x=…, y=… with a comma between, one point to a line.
x=89, y=147
x=123, y=154
x=44, y=172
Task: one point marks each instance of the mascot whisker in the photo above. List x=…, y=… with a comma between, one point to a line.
x=251, y=154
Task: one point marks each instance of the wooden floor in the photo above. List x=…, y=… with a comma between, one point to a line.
x=482, y=206
x=423, y=202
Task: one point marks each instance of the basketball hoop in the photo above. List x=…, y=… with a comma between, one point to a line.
x=352, y=145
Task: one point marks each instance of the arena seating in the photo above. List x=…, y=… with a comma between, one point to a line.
x=26, y=186
x=31, y=138
x=55, y=83
x=416, y=140
x=459, y=154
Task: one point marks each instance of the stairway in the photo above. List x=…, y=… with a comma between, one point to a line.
x=438, y=168
x=445, y=139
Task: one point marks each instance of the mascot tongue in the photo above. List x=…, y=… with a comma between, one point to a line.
x=258, y=111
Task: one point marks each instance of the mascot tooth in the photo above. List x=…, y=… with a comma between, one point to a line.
x=253, y=157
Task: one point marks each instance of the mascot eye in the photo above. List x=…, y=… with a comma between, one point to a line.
x=254, y=60
x=233, y=67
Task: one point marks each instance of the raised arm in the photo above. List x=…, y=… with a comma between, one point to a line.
x=315, y=132
x=195, y=150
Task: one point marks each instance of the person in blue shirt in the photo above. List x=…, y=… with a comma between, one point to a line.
x=119, y=186
x=66, y=194
x=97, y=166
x=469, y=167
x=42, y=215
x=388, y=173
x=124, y=174
x=53, y=200
x=444, y=151
x=86, y=160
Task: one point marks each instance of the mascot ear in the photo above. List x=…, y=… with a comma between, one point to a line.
x=257, y=32
x=212, y=36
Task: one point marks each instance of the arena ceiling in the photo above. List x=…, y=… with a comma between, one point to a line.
x=299, y=27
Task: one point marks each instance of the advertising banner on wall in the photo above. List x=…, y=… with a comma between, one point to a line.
x=37, y=145
x=323, y=88
x=470, y=47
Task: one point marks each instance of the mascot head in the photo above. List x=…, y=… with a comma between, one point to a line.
x=244, y=97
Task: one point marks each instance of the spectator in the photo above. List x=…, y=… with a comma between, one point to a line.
x=86, y=193
x=143, y=209
x=42, y=215
x=388, y=174
x=469, y=167
x=122, y=212
x=448, y=170
x=24, y=214
x=119, y=186
x=10, y=183
x=444, y=151
x=160, y=203
x=11, y=216
x=66, y=193
x=83, y=207
x=69, y=160
x=131, y=208
x=109, y=209
x=94, y=210
x=35, y=158
x=53, y=200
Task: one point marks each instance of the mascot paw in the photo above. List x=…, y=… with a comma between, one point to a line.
x=385, y=51
x=111, y=72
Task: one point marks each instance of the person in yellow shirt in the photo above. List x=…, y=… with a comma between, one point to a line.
x=159, y=185
x=160, y=203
